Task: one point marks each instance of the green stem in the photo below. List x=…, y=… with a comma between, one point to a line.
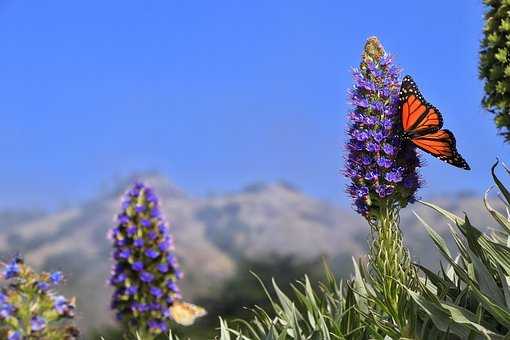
x=390, y=264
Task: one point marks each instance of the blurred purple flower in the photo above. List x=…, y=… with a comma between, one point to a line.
x=141, y=281
x=37, y=323
x=11, y=269
x=14, y=335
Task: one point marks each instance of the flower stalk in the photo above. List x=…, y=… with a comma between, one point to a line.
x=390, y=264
x=382, y=168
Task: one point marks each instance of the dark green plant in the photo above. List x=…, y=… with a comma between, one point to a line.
x=495, y=63
x=471, y=298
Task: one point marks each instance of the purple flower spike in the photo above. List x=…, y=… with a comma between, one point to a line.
x=380, y=164
x=144, y=263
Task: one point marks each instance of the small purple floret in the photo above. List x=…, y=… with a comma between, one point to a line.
x=37, y=323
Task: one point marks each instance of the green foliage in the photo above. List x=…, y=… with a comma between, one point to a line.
x=495, y=63
x=471, y=298
x=336, y=309
x=331, y=311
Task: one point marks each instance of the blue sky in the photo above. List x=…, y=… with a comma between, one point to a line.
x=218, y=94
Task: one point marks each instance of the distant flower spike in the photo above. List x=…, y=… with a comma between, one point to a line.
x=145, y=271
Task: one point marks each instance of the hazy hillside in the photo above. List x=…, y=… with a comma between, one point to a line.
x=211, y=235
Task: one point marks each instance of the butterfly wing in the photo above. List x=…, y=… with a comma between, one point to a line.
x=441, y=144
x=418, y=116
x=185, y=313
x=422, y=123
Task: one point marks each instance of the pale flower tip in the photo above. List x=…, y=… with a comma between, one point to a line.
x=373, y=50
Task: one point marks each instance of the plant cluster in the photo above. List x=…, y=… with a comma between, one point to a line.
x=30, y=307
x=495, y=63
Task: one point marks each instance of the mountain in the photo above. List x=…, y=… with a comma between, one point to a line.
x=212, y=234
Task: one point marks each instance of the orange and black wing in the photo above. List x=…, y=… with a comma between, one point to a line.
x=441, y=144
x=418, y=116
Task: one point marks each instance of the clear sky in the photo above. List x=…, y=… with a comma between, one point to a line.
x=218, y=94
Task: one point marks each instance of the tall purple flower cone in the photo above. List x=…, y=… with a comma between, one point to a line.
x=146, y=270
x=380, y=165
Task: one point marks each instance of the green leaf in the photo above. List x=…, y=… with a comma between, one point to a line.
x=486, y=282
x=499, y=184
x=451, y=318
x=451, y=216
x=438, y=240
x=502, y=220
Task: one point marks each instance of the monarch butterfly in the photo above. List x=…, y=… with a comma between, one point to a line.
x=186, y=313
x=422, y=123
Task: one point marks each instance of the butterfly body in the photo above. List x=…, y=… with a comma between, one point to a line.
x=422, y=124
x=185, y=313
